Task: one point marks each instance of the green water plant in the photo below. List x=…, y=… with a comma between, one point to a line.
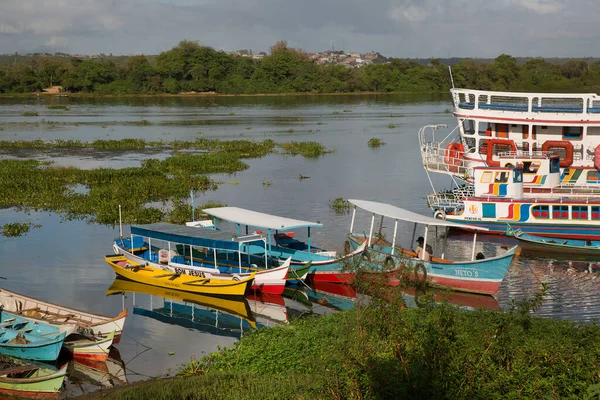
x=29, y=114
x=16, y=229
x=375, y=142
x=340, y=205
x=58, y=107
x=307, y=149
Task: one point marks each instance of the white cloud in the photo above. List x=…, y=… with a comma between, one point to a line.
x=538, y=6
x=409, y=13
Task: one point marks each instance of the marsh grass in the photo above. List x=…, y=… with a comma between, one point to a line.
x=340, y=205
x=306, y=149
x=31, y=184
x=16, y=229
x=29, y=114
x=375, y=142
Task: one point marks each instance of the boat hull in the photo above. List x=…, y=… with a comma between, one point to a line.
x=139, y=273
x=46, y=385
x=91, y=349
x=567, y=249
x=477, y=276
x=42, y=349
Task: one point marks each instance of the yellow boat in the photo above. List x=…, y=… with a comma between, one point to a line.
x=170, y=280
x=237, y=306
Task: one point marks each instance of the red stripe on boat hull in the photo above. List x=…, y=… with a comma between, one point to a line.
x=276, y=288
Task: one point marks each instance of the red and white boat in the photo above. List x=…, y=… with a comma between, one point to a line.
x=89, y=347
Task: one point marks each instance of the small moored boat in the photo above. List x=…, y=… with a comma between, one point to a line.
x=30, y=340
x=483, y=276
x=90, y=347
x=29, y=380
x=179, y=281
x=62, y=317
x=572, y=249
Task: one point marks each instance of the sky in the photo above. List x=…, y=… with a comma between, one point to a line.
x=395, y=28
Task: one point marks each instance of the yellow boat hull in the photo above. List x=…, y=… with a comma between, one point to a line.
x=188, y=283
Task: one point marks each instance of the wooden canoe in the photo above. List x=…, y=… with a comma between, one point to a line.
x=90, y=347
x=60, y=316
x=571, y=249
x=171, y=280
x=35, y=381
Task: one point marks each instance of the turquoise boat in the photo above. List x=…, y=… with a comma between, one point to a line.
x=326, y=265
x=30, y=380
x=29, y=339
x=482, y=276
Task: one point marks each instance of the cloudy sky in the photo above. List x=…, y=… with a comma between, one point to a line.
x=400, y=28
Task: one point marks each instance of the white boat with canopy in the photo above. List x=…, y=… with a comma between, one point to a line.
x=475, y=275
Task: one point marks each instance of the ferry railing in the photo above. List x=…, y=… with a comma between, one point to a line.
x=435, y=156
x=525, y=154
x=536, y=103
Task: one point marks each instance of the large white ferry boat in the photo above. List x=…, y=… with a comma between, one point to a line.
x=494, y=123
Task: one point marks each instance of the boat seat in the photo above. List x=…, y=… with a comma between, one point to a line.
x=18, y=370
x=440, y=260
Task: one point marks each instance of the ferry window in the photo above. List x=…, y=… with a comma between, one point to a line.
x=554, y=165
x=579, y=212
x=469, y=126
x=531, y=167
x=560, y=212
x=518, y=176
x=544, y=127
x=485, y=129
x=540, y=212
x=572, y=132
x=489, y=210
x=486, y=177
x=501, y=177
x=596, y=212
x=592, y=176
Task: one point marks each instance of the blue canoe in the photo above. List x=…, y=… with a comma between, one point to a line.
x=29, y=340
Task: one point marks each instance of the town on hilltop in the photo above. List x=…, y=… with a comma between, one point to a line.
x=329, y=57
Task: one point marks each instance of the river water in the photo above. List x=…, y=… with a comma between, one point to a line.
x=62, y=261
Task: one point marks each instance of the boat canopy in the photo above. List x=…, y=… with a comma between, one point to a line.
x=257, y=219
x=192, y=236
x=387, y=210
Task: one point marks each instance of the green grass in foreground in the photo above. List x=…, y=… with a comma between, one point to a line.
x=388, y=351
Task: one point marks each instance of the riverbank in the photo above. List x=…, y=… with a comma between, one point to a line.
x=212, y=94
x=389, y=351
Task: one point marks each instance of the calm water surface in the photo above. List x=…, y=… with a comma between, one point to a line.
x=62, y=261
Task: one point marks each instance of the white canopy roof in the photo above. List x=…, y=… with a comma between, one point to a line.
x=390, y=211
x=257, y=219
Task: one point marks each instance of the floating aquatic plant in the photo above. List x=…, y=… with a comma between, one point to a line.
x=16, y=229
x=340, y=206
x=375, y=142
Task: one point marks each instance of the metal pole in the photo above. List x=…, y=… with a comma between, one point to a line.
x=371, y=230
x=121, y=224
x=215, y=255
x=191, y=255
x=474, y=242
x=269, y=238
x=240, y=259
x=424, y=243
x=413, y=236
x=353, y=215
x=394, y=240
x=309, y=239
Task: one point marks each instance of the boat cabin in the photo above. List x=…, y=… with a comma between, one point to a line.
x=498, y=181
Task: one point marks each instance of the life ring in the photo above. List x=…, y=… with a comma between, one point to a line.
x=420, y=267
x=347, y=247
x=439, y=214
x=560, y=144
x=388, y=263
x=491, y=145
x=453, y=155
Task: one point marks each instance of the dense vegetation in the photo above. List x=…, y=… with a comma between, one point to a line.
x=385, y=350
x=189, y=67
x=152, y=192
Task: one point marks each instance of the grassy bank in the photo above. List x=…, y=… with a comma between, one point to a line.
x=388, y=351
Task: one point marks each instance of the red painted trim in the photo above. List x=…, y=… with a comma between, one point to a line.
x=272, y=288
x=537, y=121
x=91, y=356
x=30, y=394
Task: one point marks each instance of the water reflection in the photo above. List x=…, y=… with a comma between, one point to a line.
x=90, y=375
x=215, y=315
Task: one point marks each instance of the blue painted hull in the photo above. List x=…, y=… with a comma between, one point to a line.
x=477, y=276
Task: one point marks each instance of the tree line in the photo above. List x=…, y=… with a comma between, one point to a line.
x=190, y=67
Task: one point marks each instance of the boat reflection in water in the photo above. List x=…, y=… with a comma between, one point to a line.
x=220, y=316
x=98, y=374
